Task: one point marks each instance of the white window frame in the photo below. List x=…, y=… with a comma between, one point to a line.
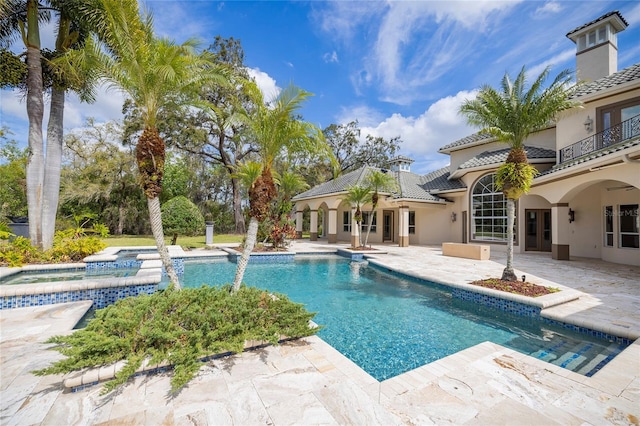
x=412, y=222
x=365, y=222
x=346, y=221
x=486, y=201
x=608, y=227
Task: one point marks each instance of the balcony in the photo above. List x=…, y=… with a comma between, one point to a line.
x=628, y=129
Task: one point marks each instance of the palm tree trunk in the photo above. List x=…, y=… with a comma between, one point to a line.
x=508, y=273
x=366, y=238
x=52, y=167
x=155, y=217
x=35, y=112
x=252, y=234
x=238, y=217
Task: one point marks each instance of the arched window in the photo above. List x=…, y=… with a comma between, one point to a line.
x=488, y=211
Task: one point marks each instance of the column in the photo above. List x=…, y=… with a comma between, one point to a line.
x=355, y=230
x=299, y=221
x=403, y=226
x=560, y=231
x=314, y=225
x=333, y=226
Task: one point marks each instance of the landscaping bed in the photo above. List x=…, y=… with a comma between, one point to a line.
x=516, y=287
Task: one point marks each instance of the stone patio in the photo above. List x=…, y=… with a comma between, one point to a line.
x=308, y=382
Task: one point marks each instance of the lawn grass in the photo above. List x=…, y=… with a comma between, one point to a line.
x=189, y=242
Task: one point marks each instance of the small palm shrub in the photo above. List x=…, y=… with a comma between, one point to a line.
x=179, y=327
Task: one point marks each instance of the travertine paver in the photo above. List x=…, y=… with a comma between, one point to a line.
x=309, y=382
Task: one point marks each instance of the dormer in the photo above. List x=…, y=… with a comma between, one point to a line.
x=597, y=46
x=400, y=164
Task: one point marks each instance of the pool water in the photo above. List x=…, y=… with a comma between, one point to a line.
x=34, y=277
x=389, y=325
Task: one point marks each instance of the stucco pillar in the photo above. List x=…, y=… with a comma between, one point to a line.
x=314, y=226
x=333, y=226
x=355, y=230
x=560, y=231
x=299, y=220
x=403, y=226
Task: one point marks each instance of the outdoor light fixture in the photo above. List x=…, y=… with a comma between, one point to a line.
x=588, y=124
x=453, y=217
x=572, y=215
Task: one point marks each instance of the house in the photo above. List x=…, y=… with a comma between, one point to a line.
x=583, y=203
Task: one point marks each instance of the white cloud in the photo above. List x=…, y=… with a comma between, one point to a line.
x=266, y=83
x=421, y=136
x=553, y=62
x=549, y=8
x=108, y=106
x=414, y=43
x=330, y=57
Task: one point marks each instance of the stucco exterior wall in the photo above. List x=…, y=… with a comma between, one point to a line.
x=570, y=127
x=433, y=226
x=584, y=238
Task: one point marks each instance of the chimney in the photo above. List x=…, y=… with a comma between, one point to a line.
x=597, y=46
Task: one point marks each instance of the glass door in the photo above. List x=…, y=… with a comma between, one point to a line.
x=387, y=225
x=538, y=230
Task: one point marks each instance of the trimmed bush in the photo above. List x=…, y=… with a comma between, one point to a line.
x=181, y=217
x=179, y=327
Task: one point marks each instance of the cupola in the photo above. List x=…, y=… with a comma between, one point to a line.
x=400, y=164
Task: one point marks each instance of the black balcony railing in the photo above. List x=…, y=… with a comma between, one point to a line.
x=624, y=131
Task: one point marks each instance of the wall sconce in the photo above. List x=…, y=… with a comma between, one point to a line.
x=588, y=124
x=453, y=216
x=572, y=215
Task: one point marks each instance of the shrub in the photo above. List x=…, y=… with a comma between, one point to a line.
x=18, y=252
x=180, y=327
x=181, y=216
x=5, y=231
x=68, y=246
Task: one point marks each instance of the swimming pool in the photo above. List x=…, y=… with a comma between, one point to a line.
x=388, y=324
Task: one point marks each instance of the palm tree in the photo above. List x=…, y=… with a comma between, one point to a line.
x=377, y=181
x=511, y=115
x=358, y=196
x=156, y=74
x=18, y=17
x=276, y=131
x=43, y=175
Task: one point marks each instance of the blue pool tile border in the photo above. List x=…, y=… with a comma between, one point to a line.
x=265, y=258
x=509, y=306
x=101, y=297
x=585, y=330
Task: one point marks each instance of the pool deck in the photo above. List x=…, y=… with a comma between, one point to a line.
x=308, y=382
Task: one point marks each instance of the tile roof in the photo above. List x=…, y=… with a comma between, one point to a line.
x=467, y=140
x=602, y=18
x=439, y=181
x=626, y=75
x=500, y=156
x=592, y=156
x=411, y=186
x=339, y=184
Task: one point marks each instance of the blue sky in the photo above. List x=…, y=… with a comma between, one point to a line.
x=400, y=68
